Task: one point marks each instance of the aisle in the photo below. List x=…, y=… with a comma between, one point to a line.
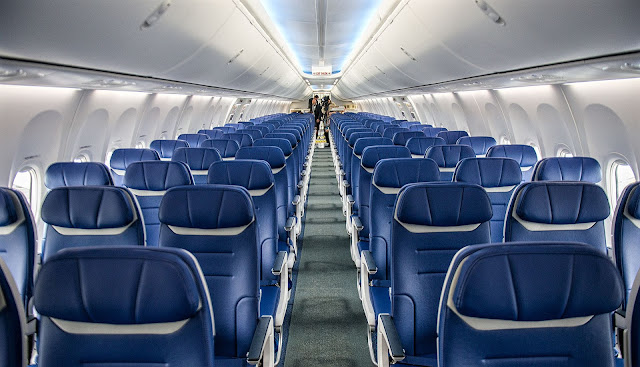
x=328, y=327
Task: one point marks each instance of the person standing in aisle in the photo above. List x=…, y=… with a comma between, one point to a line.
x=317, y=110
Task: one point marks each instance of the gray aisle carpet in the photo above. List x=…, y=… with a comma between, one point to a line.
x=328, y=327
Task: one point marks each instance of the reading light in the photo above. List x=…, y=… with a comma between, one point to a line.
x=156, y=15
x=490, y=13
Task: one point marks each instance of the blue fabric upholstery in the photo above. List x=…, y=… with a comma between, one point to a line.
x=525, y=155
x=212, y=133
x=585, y=169
x=626, y=232
x=419, y=127
x=148, y=181
x=480, y=144
x=503, y=286
x=447, y=157
x=125, y=292
x=13, y=348
x=348, y=155
x=283, y=144
x=401, y=137
x=79, y=216
x=558, y=211
x=356, y=160
x=452, y=136
x=228, y=257
x=122, y=158
x=194, y=140
x=165, y=148
x=393, y=130
x=263, y=129
x=418, y=146
x=243, y=140
x=227, y=148
x=288, y=136
x=255, y=134
x=433, y=131
x=432, y=222
x=226, y=129
x=77, y=174
x=499, y=177
x=198, y=160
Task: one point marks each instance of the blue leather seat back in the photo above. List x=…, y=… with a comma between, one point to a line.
x=216, y=223
x=288, y=136
x=356, y=159
x=499, y=177
x=452, y=136
x=124, y=306
x=263, y=129
x=348, y=156
x=226, y=129
x=211, y=133
x=585, y=169
x=237, y=126
x=370, y=157
x=524, y=154
x=419, y=127
x=433, y=131
x=393, y=130
x=558, y=211
x=447, y=157
x=269, y=126
x=290, y=130
x=389, y=176
x=626, y=234
x=18, y=239
x=122, y=158
x=194, y=140
x=148, y=181
x=283, y=144
x=367, y=134
x=432, y=221
x=528, y=304
x=81, y=216
x=227, y=148
x=13, y=348
x=401, y=137
x=165, y=148
x=418, y=146
x=257, y=178
x=408, y=124
x=243, y=140
x=255, y=134
x=385, y=126
x=77, y=174
x=480, y=144
x=198, y=160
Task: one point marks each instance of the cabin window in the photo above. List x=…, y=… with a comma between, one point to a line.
x=565, y=153
x=620, y=176
x=81, y=158
x=107, y=160
x=26, y=182
x=140, y=145
x=504, y=140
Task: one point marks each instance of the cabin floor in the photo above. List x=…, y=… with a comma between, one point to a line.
x=328, y=327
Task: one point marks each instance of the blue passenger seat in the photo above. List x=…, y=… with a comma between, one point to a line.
x=212, y=133
x=447, y=157
x=165, y=148
x=418, y=146
x=62, y=174
x=401, y=138
x=226, y=147
x=122, y=158
x=585, y=169
x=480, y=144
x=13, y=343
x=243, y=140
x=198, y=160
x=194, y=140
x=524, y=154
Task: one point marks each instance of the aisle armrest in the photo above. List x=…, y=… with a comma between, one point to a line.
x=261, y=351
x=390, y=349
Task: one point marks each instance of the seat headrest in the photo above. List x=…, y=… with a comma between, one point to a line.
x=292, y=138
x=529, y=281
x=255, y=134
x=122, y=158
x=360, y=144
x=89, y=207
x=524, y=154
x=489, y=172
x=633, y=202
x=8, y=210
x=397, y=172
x=480, y=144
x=212, y=134
x=448, y=156
x=272, y=155
x=443, y=204
x=165, y=148
x=121, y=286
x=243, y=140
x=206, y=207
x=254, y=175
x=227, y=148
x=194, y=140
x=77, y=174
x=263, y=129
x=157, y=175
x=290, y=130
x=451, y=137
x=561, y=202
x=372, y=154
x=225, y=129
x=283, y=144
x=197, y=159
x=401, y=137
x=419, y=145
x=391, y=131
x=355, y=136
x=433, y=131
x=584, y=169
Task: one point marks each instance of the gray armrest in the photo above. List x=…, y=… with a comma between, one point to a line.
x=296, y=200
x=260, y=340
x=342, y=172
x=279, y=263
x=620, y=319
x=369, y=262
x=300, y=185
x=357, y=224
x=291, y=222
x=350, y=199
x=391, y=337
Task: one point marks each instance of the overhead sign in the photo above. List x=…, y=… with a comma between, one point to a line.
x=321, y=70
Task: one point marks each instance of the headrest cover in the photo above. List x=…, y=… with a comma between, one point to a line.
x=197, y=158
x=206, y=207
x=212, y=134
x=443, y=204
x=165, y=148
x=524, y=154
x=77, y=174
x=283, y=144
x=537, y=282
x=568, y=169
x=355, y=136
x=194, y=140
x=480, y=144
x=400, y=138
x=8, y=212
x=122, y=286
x=227, y=148
x=292, y=139
x=562, y=202
x=421, y=144
x=272, y=155
x=157, y=175
x=122, y=158
x=244, y=140
x=397, y=172
x=88, y=207
x=448, y=156
x=451, y=137
x=633, y=203
x=371, y=155
x=359, y=146
x=250, y=174
x=391, y=131
x=489, y=172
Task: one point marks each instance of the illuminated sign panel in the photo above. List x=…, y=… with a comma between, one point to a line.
x=321, y=70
